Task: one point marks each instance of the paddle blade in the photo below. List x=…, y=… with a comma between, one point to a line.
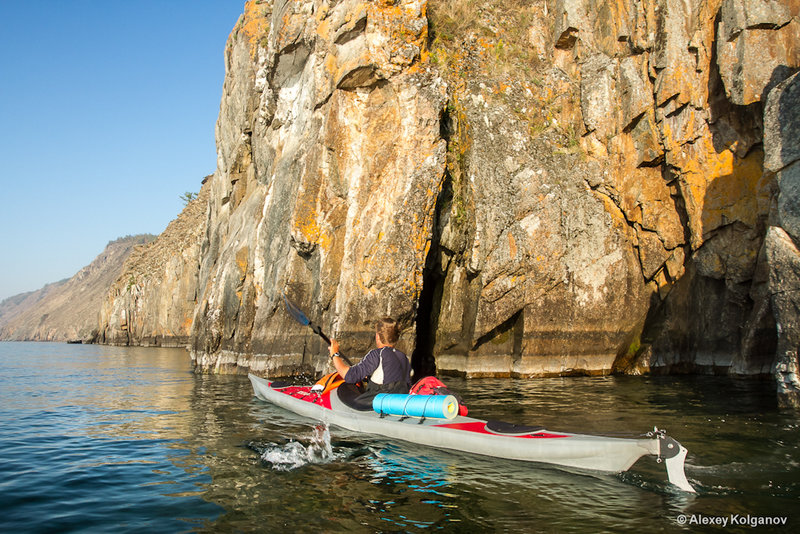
x=295, y=312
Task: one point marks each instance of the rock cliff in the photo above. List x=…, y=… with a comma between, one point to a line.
x=780, y=256
x=67, y=310
x=534, y=188
x=151, y=303
x=330, y=160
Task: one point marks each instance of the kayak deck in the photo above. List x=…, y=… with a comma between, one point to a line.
x=489, y=438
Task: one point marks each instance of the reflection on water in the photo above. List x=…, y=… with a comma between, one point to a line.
x=101, y=437
x=91, y=440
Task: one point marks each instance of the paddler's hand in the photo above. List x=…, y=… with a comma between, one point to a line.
x=338, y=363
x=333, y=348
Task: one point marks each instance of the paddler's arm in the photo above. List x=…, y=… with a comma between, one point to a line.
x=338, y=363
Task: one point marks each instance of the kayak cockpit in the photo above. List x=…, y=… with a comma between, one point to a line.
x=511, y=429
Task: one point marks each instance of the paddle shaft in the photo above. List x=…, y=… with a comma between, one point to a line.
x=317, y=330
x=299, y=316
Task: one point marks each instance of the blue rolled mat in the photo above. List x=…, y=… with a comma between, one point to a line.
x=439, y=406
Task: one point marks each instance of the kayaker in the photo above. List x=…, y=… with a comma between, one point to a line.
x=387, y=368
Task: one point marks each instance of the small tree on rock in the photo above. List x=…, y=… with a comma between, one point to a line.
x=188, y=197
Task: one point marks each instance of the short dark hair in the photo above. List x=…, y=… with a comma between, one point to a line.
x=388, y=330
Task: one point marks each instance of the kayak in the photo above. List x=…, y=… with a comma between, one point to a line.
x=489, y=438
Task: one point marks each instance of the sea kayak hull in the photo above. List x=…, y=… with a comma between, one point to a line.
x=467, y=434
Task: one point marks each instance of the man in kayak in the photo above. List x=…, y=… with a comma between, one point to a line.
x=388, y=369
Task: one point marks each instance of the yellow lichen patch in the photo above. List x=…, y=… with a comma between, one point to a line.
x=419, y=241
x=325, y=242
x=512, y=245
x=255, y=25
x=398, y=24
x=675, y=82
x=734, y=195
x=324, y=29
x=331, y=66
x=306, y=224
x=721, y=188
x=241, y=259
x=395, y=18
x=186, y=325
x=323, y=22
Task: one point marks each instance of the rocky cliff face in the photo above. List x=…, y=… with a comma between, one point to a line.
x=639, y=128
x=330, y=162
x=67, y=310
x=533, y=188
x=152, y=301
x=780, y=256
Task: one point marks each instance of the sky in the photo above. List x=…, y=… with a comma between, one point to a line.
x=107, y=114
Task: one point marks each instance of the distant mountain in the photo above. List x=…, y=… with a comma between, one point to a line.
x=67, y=310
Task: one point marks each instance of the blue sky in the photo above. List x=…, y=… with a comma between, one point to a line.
x=107, y=113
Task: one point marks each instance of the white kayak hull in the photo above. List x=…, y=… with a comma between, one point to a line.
x=467, y=434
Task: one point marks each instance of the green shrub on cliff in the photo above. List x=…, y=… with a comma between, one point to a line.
x=187, y=197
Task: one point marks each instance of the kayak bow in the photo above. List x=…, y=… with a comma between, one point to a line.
x=489, y=438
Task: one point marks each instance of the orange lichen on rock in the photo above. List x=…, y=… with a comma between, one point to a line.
x=721, y=188
x=308, y=227
x=241, y=259
x=407, y=34
x=254, y=25
x=512, y=245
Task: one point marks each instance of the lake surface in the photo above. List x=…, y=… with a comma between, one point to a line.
x=96, y=439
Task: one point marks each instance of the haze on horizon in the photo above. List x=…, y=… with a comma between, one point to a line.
x=107, y=113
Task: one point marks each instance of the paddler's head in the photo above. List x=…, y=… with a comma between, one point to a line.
x=386, y=332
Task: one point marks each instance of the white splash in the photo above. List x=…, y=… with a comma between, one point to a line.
x=294, y=454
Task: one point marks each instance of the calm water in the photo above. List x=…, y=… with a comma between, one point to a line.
x=101, y=438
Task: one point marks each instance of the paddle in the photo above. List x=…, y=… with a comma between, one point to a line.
x=301, y=318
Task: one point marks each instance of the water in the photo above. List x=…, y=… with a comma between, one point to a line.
x=96, y=439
